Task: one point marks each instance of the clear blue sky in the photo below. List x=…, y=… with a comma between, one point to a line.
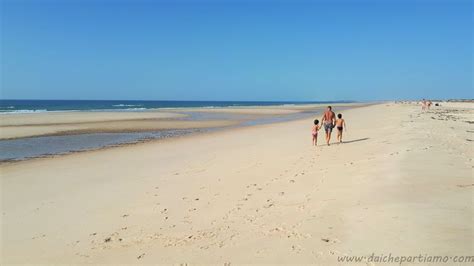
x=236, y=50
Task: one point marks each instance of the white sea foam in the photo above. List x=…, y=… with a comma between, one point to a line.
x=126, y=105
x=135, y=109
x=22, y=111
x=12, y=112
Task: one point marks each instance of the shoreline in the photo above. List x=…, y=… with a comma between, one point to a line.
x=74, y=120
x=178, y=115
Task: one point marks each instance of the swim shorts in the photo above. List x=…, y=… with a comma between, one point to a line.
x=328, y=127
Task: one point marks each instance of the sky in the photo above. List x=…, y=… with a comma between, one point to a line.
x=245, y=50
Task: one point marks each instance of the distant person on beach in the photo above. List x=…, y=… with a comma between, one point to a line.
x=340, y=125
x=328, y=121
x=314, y=132
x=428, y=104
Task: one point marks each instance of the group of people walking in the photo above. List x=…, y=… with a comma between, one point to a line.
x=329, y=121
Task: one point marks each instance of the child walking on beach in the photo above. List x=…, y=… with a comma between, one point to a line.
x=314, y=132
x=340, y=125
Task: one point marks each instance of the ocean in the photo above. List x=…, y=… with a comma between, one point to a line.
x=31, y=106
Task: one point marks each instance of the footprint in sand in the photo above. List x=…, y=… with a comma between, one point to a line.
x=37, y=237
x=464, y=186
x=270, y=204
x=334, y=252
x=330, y=240
x=82, y=255
x=296, y=248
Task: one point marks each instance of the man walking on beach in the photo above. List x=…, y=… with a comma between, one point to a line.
x=328, y=120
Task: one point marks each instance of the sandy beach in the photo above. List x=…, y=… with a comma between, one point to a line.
x=401, y=184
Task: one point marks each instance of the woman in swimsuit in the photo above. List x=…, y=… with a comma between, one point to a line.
x=340, y=125
x=314, y=132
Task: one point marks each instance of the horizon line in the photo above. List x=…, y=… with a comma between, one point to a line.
x=295, y=101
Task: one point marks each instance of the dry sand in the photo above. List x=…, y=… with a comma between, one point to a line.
x=401, y=184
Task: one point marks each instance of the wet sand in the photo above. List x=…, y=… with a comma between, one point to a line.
x=66, y=123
